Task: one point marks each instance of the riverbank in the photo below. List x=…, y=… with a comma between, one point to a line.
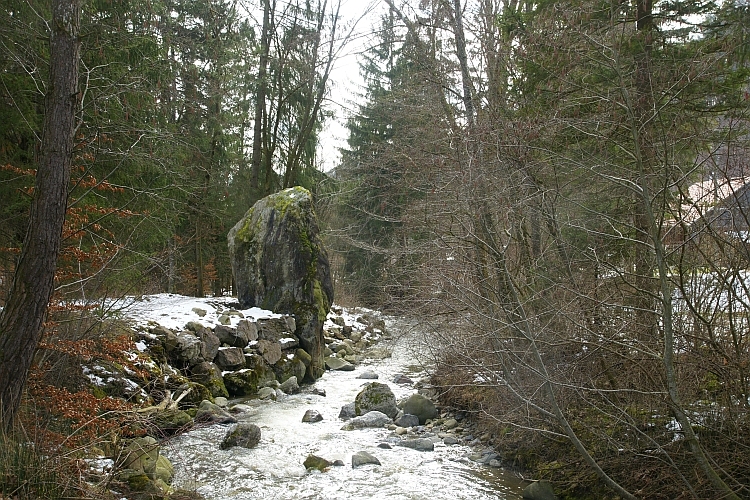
x=189, y=415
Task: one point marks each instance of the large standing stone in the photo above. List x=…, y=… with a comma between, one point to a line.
x=279, y=264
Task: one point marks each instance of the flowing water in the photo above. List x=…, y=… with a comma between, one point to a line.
x=273, y=470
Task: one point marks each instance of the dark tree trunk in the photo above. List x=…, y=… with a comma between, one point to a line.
x=260, y=103
x=33, y=284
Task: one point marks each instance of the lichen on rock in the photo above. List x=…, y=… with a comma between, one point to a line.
x=279, y=263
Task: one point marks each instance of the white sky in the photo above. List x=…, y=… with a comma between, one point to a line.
x=346, y=81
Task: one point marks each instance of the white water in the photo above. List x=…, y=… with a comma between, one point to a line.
x=273, y=470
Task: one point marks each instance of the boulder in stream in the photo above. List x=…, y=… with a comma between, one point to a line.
x=244, y=434
x=290, y=385
x=376, y=396
x=333, y=363
x=407, y=420
x=422, y=407
x=317, y=463
x=312, y=416
x=209, y=412
x=279, y=263
x=364, y=458
x=419, y=444
x=347, y=412
x=369, y=419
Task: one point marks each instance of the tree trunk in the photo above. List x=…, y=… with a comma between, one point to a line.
x=33, y=284
x=260, y=98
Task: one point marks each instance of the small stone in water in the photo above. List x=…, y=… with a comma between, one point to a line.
x=312, y=416
x=316, y=462
x=363, y=458
x=385, y=446
x=368, y=375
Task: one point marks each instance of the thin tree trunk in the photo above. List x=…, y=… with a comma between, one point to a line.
x=260, y=98
x=458, y=31
x=33, y=283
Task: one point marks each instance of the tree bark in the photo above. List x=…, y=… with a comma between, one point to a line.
x=33, y=284
x=260, y=98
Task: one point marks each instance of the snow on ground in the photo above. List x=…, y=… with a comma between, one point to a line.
x=175, y=311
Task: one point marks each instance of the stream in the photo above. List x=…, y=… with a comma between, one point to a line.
x=274, y=470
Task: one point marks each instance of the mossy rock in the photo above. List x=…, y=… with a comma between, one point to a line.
x=209, y=375
x=164, y=471
x=279, y=263
x=242, y=383
x=198, y=392
x=140, y=482
x=172, y=421
x=376, y=397
x=287, y=368
x=317, y=463
x=141, y=454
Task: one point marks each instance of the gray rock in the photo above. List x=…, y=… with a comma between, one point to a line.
x=209, y=344
x=368, y=375
x=221, y=402
x=368, y=420
x=209, y=412
x=402, y=380
x=449, y=424
x=376, y=396
x=290, y=386
x=288, y=367
x=322, y=392
x=407, y=420
x=247, y=381
x=230, y=358
x=188, y=349
x=339, y=364
x=541, y=490
x=270, y=350
x=247, y=329
x=280, y=264
x=233, y=337
x=419, y=444
x=347, y=412
x=167, y=337
x=450, y=440
x=273, y=329
x=200, y=312
x=312, y=416
x=363, y=458
x=193, y=326
x=245, y=435
x=418, y=405
x=267, y=393
x=384, y=446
